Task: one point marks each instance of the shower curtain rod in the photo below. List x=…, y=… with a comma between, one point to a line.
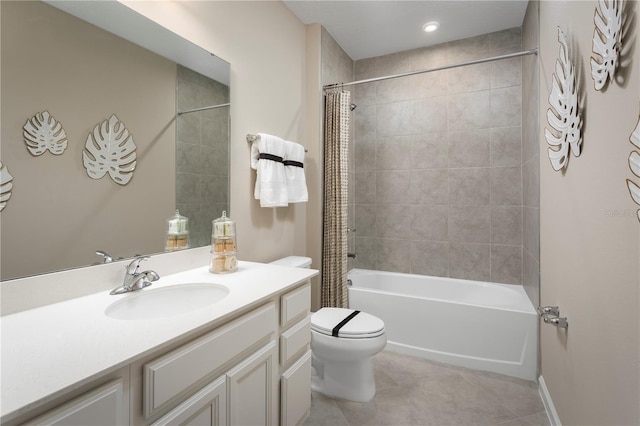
x=446, y=67
x=203, y=108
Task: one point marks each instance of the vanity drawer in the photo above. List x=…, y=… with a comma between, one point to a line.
x=295, y=305
x=295, y=340
x=168, y=376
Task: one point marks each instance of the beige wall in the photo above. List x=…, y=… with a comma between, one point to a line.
x=57, y=216
x=265, y=45
x=590, y=237
x=314, y=107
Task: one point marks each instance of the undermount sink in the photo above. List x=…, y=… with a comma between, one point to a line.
x=166, y=301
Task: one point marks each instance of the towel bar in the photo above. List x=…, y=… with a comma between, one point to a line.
x=252, y=138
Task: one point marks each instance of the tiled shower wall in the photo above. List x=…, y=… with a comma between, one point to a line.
x=437, y=162
x=530, y=158
x=202, y=153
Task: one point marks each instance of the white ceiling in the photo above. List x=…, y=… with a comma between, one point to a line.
x=365, y=28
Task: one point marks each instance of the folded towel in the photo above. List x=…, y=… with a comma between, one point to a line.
x=267, y=155
x=294, y=169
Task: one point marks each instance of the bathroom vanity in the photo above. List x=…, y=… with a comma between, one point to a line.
x=242, y=359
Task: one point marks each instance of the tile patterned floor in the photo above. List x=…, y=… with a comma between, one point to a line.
x=415, y=392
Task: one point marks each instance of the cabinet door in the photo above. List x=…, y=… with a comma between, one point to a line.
x=295, y=397
x=253, y=389
x=102, y=406
x=208, y=407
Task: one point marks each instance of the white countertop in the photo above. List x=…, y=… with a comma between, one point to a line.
x=61, y=346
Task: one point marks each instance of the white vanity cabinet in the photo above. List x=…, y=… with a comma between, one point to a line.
x=252, y=367
x=295, y=356
x=104, y=405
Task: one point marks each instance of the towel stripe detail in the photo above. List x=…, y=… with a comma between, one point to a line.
x=293, y=163
x=342, y=323
x=265, y=156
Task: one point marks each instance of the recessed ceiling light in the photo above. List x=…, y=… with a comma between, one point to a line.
x=430, y=27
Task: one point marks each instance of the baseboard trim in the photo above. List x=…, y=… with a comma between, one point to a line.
x=552, y=414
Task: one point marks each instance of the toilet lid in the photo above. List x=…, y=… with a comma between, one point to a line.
x=346, y=323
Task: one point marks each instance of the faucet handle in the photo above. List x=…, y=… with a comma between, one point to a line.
x=133, y=266
x=106, y=258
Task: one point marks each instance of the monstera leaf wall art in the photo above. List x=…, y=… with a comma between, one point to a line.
x=634, y=165
x=607, y=39
x=43, y=132
x=6, y=185
x=564, y=116
x=110, y=149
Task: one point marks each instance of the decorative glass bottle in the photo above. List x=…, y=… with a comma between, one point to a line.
x=223, y=245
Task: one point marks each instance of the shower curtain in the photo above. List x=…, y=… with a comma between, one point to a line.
x=334, y=246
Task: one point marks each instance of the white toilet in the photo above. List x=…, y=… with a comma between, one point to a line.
x=343, y=343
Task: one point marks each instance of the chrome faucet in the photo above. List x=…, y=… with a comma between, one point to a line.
x=134, y=280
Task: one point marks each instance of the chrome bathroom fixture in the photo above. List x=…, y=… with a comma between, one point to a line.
x=106, y=258
x=551, y=315
x=134, y=280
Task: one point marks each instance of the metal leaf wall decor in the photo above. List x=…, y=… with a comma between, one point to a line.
x=110, y=149
x=607, y=39
x=564, y=116
x=43, y=132
x=6, y=185
x=634, y=165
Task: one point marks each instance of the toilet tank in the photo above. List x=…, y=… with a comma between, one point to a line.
x=294, y=261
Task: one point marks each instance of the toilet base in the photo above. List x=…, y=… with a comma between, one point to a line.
x=352, y=381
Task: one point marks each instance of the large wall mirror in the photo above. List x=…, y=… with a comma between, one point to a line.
x=82, y=62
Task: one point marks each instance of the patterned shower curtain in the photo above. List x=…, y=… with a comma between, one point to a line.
x=334, y=246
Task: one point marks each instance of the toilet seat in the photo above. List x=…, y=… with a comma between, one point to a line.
x=362, y=325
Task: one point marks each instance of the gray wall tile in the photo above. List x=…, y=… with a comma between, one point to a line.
x=392, y=187
x=506, y=225
x=470, y=261
x=430, y=258
x=506, y=186
x=469, y=224
x=506, y=147
x=365, y=220
x=470, y=110
x=364, y=155
x=506, y=264
x=393, y=255
x=506, y=106
x=429, y=151
x=469, y=186
x=429, y=187
x=393, y=153
x=365, y=188
x=394, y=221
x=470, y=148
x=429, y=222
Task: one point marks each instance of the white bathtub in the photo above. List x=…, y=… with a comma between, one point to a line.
x=484, y=326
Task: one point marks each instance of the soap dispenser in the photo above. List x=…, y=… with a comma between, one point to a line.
x=223, y=245
x=177, y=233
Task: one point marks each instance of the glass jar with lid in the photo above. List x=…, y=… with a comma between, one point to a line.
x=223, y=245
x=177, y=233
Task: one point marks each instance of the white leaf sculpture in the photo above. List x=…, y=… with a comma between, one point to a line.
x=110, y=149
x=564, y=116
x=607, y=38
x=43, y=132
x=634, y=165
x=5, y=186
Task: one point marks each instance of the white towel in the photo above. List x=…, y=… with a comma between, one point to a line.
x=294, y=169
x=271, y=182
